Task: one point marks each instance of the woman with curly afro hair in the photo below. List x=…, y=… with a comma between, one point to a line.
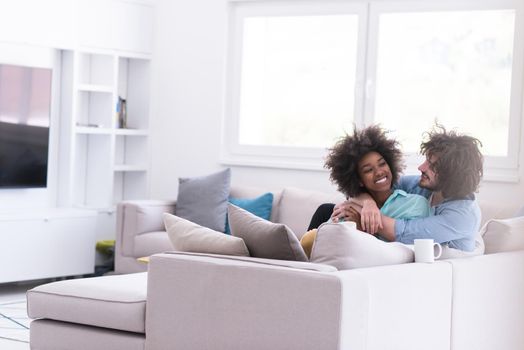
x=367, y=161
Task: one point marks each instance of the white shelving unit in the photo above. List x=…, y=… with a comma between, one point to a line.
x=108, y=163
x=100, y=49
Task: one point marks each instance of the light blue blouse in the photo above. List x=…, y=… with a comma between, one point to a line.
x=402, y=205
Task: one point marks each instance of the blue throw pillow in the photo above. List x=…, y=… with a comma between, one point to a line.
x=260, y=206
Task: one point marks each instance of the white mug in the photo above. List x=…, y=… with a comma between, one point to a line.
x=425, y=251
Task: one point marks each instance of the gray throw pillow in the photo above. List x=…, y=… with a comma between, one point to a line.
x=203, y=199
x=186, y=236
x=263, y=238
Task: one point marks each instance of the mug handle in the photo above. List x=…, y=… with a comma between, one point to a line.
x=439, y=249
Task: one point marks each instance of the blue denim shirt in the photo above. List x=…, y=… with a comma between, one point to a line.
x=453, y=222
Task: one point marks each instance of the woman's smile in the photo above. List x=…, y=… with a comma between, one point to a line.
x=374, y=173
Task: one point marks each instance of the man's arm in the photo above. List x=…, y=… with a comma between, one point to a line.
x=451, y=223
x=388, y=228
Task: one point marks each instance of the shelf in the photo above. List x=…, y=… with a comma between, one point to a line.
x=98, y=209
x=91, y=130
x=109, y=131
x=132, y=132
x=125, y=167
x=95, y=88
x=44, y=214
x=111, y=164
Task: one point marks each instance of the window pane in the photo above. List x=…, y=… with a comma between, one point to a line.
x=454, y=67
x=298, y=79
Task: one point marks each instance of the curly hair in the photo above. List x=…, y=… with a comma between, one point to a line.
x=458, y=164
x=343, y=158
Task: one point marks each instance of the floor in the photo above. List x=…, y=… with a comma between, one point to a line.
x=14, y=323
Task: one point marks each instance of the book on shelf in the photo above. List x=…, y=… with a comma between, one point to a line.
x=121, y=113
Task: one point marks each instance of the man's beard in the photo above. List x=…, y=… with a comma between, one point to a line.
x=431, y=187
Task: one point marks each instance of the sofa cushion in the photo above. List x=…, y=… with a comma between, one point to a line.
x=307, y=241
x=501, y=235
x=238, y=191
x=491, y=209
x=151, y=243
x=263, y=238
x=343, y=246
x=116, y=302
x=452, y=253
x=260, y=206
x=203, y=199
x=66, y=335
x=297, y=206
x=187, y=236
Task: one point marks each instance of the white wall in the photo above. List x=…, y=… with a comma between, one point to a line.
x=188, y=88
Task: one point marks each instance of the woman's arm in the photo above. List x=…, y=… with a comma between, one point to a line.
x=370, y=216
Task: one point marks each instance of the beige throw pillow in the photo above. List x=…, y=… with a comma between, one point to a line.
x=186, y=236
x=503, y=235
x=263, y=238
x=343, y=246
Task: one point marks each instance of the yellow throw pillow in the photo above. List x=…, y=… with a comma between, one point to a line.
x=307, y=241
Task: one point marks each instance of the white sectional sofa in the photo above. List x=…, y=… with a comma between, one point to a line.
x=196, y=301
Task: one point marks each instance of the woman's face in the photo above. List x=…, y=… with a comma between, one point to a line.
x=374, y=172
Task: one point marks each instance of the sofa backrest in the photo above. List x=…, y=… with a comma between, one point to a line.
x=492, y=210
x=295, y=206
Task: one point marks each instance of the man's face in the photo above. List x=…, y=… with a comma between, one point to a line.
x=428, y=176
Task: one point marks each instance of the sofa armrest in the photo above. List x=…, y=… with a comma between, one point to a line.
x=138, y=217
x=208, y=302
x=488, y=302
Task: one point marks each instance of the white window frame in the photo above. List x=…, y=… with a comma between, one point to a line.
x=504, y=169
x=232, y=151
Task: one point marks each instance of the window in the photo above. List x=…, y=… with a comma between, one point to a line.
x=303, y=73
x=296, y=71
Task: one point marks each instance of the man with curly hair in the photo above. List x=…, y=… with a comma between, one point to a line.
x=449, y=177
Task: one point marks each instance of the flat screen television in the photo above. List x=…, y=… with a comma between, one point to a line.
x=25, y=105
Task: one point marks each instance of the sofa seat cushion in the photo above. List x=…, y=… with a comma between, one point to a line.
x=66, y=335
x=116, y=302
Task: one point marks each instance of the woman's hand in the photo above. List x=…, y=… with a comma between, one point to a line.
x=347, y=211
x=340, y=211
x=354, y=215
x=370, y=217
